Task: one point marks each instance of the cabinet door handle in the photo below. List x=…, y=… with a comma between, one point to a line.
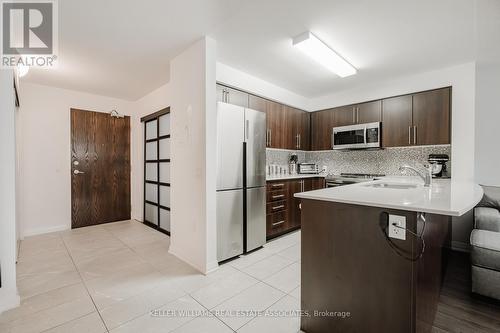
x=278, y=196
x=247, y=128
x=409, y=135
x=353, y=114
x=357, y=115
x=278, y=207
x=277, y=185
x=414, y=135
x=278, y=223
x=300, y=141
x=227, y=96
x=270, y=137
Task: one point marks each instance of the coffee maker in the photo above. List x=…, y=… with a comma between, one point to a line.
x=437, y=163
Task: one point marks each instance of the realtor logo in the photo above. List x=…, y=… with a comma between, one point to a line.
x=29, y=33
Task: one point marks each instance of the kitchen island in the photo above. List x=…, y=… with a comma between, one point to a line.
x=356, y=277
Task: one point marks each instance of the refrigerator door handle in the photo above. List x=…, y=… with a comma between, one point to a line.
x=247, y=128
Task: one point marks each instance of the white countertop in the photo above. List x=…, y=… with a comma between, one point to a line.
x=444, y=197
x=297, y=176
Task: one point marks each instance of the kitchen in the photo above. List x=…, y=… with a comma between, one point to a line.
x=360, y=142
x=264, y=166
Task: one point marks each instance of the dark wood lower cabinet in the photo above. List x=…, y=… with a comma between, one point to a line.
x=283, y=209
x=349, y=267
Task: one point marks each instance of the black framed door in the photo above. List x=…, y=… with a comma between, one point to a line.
x=157, y=141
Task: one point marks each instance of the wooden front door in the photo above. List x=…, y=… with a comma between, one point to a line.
x=100, y=168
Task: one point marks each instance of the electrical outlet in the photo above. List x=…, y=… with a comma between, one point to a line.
x=400, y=221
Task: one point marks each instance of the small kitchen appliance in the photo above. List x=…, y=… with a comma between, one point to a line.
x=361, y=136
x=308, y=168
x=292, y=164
x=437, y=164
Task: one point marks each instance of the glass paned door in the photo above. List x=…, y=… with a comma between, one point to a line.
x=157, y=170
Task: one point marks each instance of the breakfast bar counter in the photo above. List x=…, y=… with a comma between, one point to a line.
x=374, y=251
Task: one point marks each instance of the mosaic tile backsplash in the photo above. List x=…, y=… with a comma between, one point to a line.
x=384, y=161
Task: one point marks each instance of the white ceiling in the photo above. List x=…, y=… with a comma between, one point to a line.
x=122, y=48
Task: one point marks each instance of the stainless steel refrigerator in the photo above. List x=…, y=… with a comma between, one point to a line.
x=241, y=180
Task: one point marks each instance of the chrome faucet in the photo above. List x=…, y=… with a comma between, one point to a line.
x=427, y=177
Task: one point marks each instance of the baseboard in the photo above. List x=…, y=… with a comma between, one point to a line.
x=8, y=300
x=176, y=253
x=460, y=246
x=40, y=231
x=212, y=266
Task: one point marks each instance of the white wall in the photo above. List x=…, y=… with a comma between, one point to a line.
x=236, y=78
x=8, y=292
x=45, y=157
x=193, y=105
x=487, y=90
x=487, y=121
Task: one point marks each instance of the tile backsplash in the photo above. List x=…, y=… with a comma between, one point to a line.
x=384, y=161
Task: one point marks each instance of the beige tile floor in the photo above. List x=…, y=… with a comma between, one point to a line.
x=119, y=277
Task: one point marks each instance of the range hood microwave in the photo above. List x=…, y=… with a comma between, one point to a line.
x=361, y=136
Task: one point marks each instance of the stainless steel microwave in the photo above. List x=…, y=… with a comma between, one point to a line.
x=360, y=136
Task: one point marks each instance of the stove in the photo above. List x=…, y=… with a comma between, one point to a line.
x=350, y=178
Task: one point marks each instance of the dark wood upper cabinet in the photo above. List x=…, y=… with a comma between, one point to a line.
x=344, y=116
x=289, y=127
x=397, y=121
x=276, y=125
x=431, y=117
x=322, y=123
x=304, y=130
x=369, y=112
x=297, y=127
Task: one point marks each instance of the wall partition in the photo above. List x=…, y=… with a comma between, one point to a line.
x=157, y=170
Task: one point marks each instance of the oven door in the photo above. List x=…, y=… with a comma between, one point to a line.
x=356, y=136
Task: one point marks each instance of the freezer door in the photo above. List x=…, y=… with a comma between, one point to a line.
x=230, y=137
x=255, y=137
x=256, y=218
x=229, y=224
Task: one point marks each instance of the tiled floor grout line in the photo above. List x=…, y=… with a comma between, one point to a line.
x=208, y=311
x=155, y=268
x=85, y=284
x=188, y=293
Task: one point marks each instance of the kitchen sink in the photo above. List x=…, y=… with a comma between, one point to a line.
x=393, y=186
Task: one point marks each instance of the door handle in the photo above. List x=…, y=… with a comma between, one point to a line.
x=414, y=135
x=353, y=115
x=278, y=223
x=77, y=172
x=278, y=196
x=409, y=135
x=300, y=142
x=270, y=137
x=247, y=129
x=278, y=207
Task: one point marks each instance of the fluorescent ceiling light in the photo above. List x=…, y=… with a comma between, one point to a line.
x=320, y=52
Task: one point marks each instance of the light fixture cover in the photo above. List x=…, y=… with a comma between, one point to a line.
x=323, y=54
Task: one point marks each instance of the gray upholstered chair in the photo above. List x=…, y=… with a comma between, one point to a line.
x=485, y=241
